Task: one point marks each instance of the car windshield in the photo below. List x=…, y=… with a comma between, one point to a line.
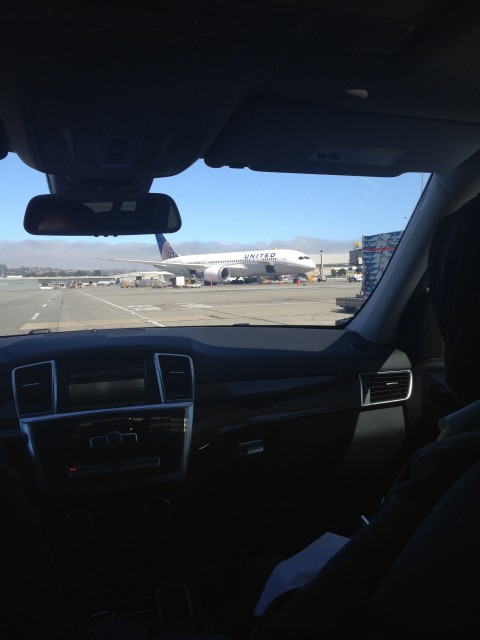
x=307, y=250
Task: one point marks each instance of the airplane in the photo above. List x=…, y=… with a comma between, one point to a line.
x=218, y=268
x=106, y=283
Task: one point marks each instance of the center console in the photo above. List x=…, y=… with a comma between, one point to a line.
x=76, y=451
x=108, y=439
x=117, y=420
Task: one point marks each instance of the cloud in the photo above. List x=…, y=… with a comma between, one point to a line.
x=82, y=255
x=300, y=243
x=370, y=182
x=70, y=255
x=368, y=210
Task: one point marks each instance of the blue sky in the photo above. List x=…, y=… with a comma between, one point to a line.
x=226, y=209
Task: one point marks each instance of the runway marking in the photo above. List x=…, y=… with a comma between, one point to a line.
x=144, y=307
x=193, y=305
x=35, y=316
x=28, y=295
x=72, y=326
x=117, y=306
x=266, y=304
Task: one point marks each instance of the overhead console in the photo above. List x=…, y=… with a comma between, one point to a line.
x=93, y=425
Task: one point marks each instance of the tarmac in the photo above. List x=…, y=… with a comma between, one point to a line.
x=303, y=304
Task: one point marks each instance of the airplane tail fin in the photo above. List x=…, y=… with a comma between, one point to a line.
x=166, y=249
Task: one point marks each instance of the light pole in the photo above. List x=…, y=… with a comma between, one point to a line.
x=321, y=265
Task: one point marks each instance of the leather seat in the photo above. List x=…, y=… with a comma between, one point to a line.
x=432, y=590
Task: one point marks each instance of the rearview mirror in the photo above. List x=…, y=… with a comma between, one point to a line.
x=55, y=215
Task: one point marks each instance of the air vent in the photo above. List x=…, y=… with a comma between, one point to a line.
x=176, y=377
x=34, y=389
x=385, y=386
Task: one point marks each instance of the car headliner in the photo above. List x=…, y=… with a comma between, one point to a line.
x=106, y=96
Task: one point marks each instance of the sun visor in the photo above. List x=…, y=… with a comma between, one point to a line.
x=295, y=138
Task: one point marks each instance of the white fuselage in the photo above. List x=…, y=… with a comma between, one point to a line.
x=243, y=263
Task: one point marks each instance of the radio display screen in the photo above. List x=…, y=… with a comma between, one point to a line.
x=118, y=386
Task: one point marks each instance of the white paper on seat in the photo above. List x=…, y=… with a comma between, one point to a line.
x=299, y=569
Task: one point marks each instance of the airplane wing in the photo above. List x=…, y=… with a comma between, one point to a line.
x=169, y=268
x=198, y=267
x=236, y=269
x=157, y=264
x=195, y=266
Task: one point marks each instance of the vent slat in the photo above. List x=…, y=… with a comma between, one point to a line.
x=386, y=386
x=34, y=389
x=176, y=376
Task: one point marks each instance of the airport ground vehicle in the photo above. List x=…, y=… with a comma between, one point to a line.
x=172, y=454
x=140, y=281
x=354, y=277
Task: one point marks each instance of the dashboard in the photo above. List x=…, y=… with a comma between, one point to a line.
x=158, y=421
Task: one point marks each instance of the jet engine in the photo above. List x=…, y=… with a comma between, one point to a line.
x=216, y=274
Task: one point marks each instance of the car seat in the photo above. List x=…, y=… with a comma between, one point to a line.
x=432, y=589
